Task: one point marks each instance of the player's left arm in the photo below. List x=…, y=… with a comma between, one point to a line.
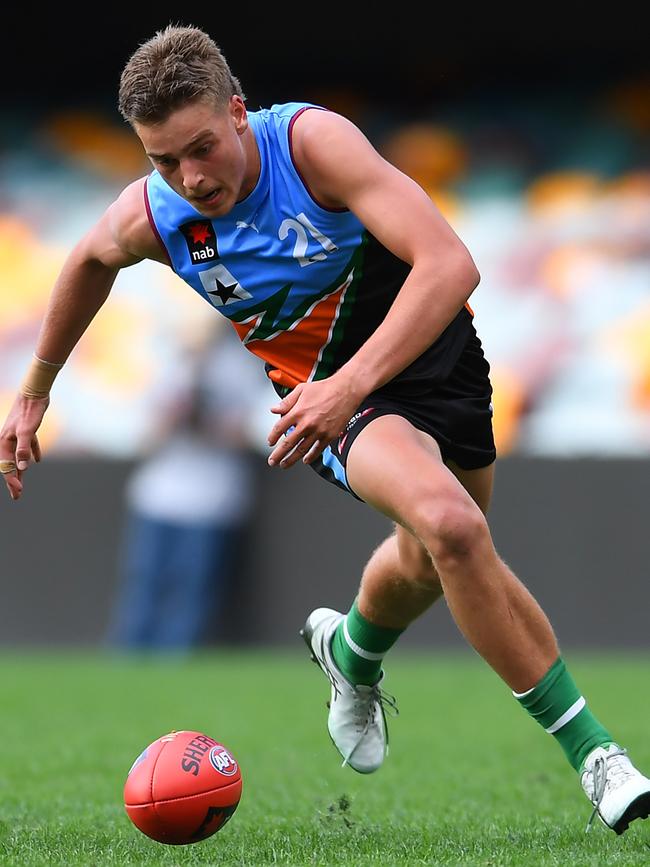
x=342, y=169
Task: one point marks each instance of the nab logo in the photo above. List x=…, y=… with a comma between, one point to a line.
x=201, y=240
x=222, y=761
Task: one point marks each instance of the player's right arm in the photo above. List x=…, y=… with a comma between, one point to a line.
x=119, y=239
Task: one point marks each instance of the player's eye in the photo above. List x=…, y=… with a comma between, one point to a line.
x=204, y=150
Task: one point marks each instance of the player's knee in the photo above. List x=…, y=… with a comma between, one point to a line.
x=454, y=530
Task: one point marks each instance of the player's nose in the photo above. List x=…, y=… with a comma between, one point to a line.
x=193, y=178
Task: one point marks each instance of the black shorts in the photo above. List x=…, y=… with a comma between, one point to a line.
x=455, y=410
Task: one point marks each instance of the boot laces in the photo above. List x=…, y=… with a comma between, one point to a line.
x=366, y=703
x=607, y=767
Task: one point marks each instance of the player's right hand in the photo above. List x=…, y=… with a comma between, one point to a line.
x=19, y=444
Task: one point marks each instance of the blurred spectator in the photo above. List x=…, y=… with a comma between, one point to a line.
x=189, y=501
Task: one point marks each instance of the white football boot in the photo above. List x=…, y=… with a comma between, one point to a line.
x=617, y=790
x=356, y=722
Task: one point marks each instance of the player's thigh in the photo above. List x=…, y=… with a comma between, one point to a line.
x=478, y=483
x=399, y=470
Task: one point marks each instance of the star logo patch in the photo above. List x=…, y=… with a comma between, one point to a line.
x=222, y=288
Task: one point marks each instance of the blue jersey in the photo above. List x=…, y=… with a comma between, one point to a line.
x=303, y=285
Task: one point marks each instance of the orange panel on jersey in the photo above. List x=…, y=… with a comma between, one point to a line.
x=295, y=352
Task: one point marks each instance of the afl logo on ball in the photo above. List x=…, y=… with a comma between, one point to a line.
x=222, y=761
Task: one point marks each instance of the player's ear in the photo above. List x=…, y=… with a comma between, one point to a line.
x=238, y=113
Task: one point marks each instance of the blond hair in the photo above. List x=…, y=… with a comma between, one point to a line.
x=176, y=66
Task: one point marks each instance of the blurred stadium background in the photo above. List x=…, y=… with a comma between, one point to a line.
x=535, y=143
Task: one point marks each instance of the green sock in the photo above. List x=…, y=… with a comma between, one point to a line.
x=359, y=646
x=558, y=706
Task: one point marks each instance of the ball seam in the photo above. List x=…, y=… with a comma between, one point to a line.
x=153, y=803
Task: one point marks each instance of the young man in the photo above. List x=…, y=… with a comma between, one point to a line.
x=338, y=271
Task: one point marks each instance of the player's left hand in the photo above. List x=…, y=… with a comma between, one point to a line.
x=311, y=416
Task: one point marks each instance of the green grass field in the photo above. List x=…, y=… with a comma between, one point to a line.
x=470, y=779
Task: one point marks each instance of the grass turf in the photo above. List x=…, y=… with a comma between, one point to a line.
x=470, y=779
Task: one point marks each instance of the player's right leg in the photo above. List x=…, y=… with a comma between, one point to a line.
x=398, y=584
x=400, y=581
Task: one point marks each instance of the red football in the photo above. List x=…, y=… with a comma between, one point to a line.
x=182, y=788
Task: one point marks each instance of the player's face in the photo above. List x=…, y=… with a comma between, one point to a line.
x=207, y=155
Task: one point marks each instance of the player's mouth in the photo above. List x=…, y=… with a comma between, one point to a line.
x=210, y=198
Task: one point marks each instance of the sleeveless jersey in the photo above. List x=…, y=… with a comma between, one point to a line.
x=303, y=285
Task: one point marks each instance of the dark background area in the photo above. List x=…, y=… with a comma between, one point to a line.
x=385, y=54
x=575, y=532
